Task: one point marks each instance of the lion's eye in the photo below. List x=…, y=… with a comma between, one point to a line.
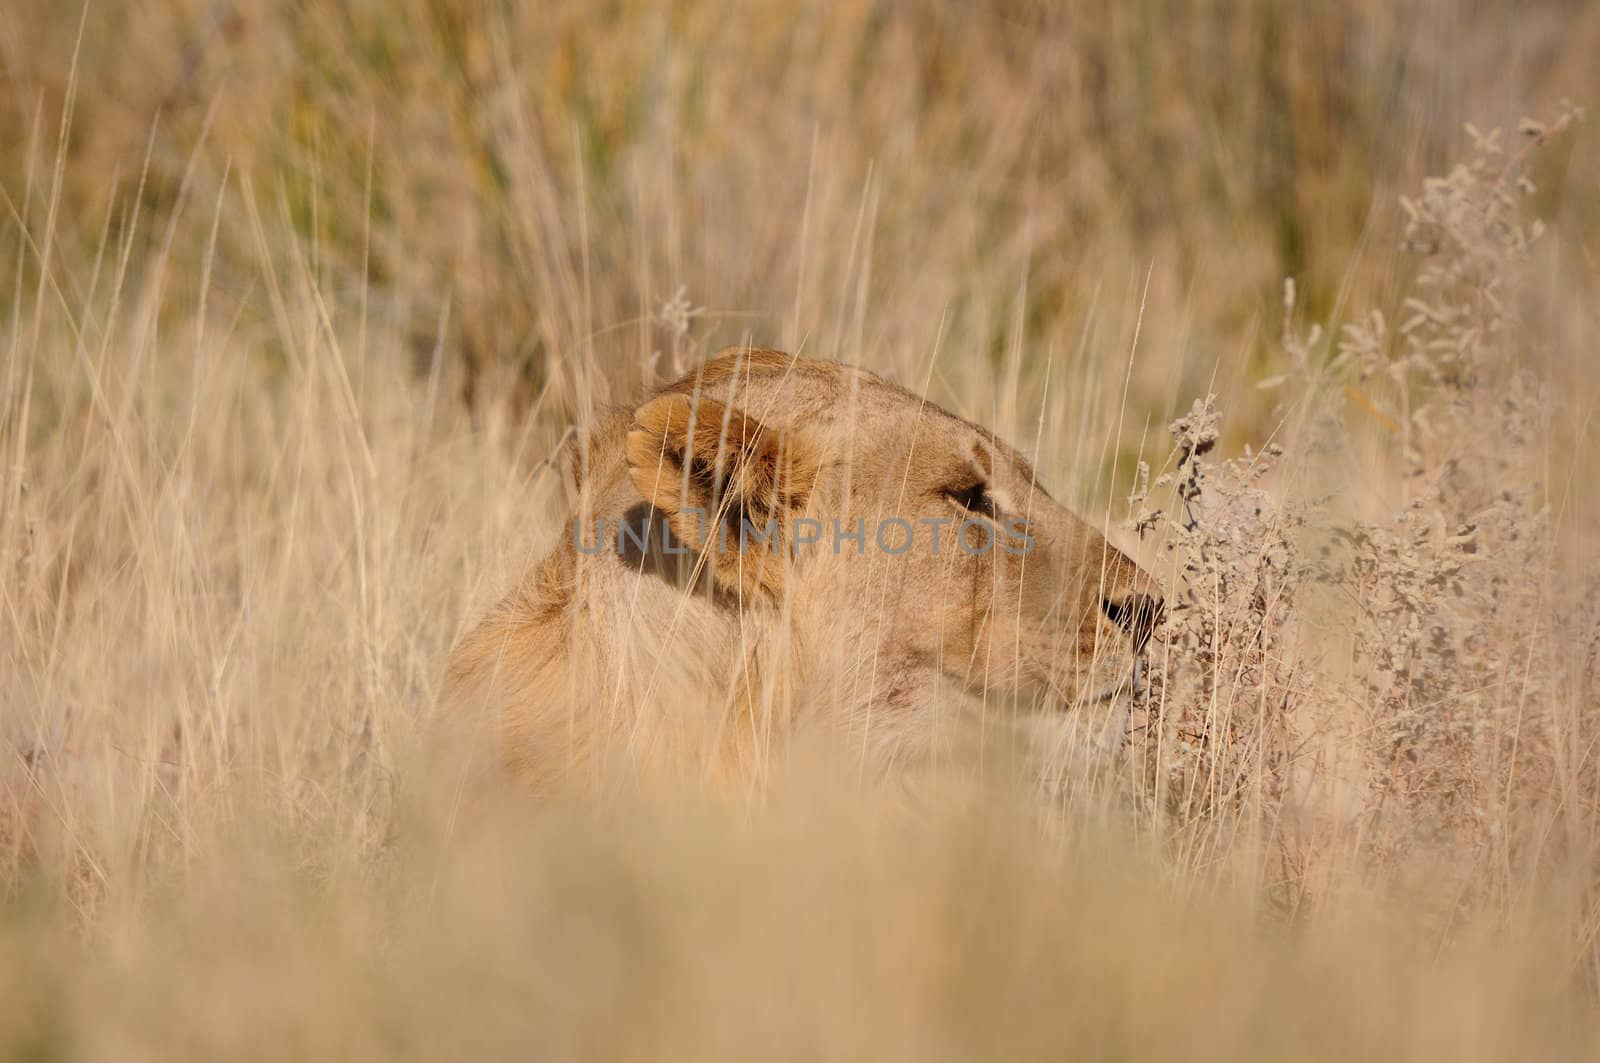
x=974, y=498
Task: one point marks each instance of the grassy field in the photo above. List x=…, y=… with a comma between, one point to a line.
x=297, y=299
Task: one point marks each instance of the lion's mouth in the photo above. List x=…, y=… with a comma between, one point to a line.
x=1124, y=683
x=1127, y=683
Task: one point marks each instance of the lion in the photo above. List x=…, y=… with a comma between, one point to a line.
x=778, y=547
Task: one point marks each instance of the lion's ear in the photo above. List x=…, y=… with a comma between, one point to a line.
x=729, y=485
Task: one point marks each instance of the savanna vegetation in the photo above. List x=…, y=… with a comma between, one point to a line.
x=299, y=298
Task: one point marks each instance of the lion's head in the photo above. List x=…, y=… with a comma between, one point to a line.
x=782, y=543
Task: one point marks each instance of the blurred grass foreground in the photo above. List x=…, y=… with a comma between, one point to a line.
x=298, y=297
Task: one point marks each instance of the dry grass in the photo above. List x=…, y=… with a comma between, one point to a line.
x=298, y=298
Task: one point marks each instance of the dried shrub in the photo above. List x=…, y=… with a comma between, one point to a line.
x=1212, y=724
x=1454, y=648
x=1422, y=640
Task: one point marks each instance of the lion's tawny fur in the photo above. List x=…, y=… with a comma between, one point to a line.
x=717, y=660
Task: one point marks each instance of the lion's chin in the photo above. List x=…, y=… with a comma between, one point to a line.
x=1123, y=685
x=1106, y=683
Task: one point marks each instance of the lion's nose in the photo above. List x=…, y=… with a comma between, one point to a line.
x=1137, y=614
